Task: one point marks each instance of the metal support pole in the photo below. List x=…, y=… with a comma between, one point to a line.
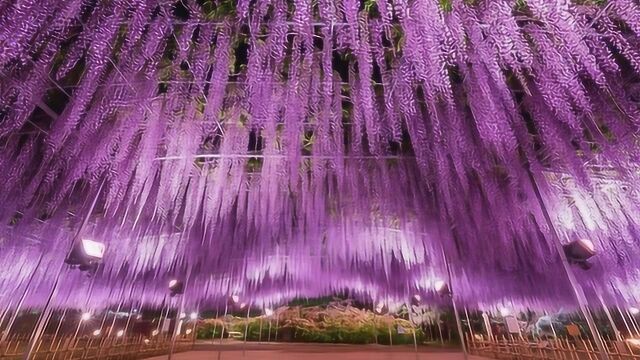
x=275, y=338
x=487, y=325
x=624, y=320
x=46, y=311
x=577, y=289
x=55, y=335
x=440, y=330
x=413, y=325
x=44, y=317
x=455, y=307
x=553, y=329
x=180, y=310
x=14, y=316
x=616, y=332
x=466, y=313
x=215, y=326
x=176, y=328
x=633, y=322
x=246, y=330
x=246, y=325
x=5, y=312
x=226, y=308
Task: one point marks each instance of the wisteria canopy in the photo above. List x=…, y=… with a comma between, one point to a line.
x=276, y=149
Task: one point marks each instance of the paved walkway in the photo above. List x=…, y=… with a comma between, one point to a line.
x=282, y=351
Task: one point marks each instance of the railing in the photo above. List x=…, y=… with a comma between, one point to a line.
x=552, y=349
x=95, y=348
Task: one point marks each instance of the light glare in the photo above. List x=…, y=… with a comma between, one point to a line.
x=93, y=248
x=588, y=244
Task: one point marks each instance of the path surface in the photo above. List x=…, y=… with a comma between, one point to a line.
x=283, y=351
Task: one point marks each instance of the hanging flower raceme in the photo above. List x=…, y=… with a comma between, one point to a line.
x=226, y=133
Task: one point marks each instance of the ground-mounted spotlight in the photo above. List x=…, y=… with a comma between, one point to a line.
x=86, y=255
x=243, y=305
x=147, y=341
x=634, y=310
x=97, y=332
x=120, y=333
x=193, y=316
x=85, y=316
x=235, y=298
x=188, y=331
x=442, y=288
x=139, y=317
x=155, y=332
x=176, y=287
x=268, y=312
x=579, y=252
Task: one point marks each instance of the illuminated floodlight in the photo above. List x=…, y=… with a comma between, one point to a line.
x=97, y=332
x=505, y=312
x=85, y=316
x=86, y=255
x=147, y=341
x=183, y=315
x=155, y=332
x=268, y=312
x=442, y=288
x=176, y=287
x=417, y=297
x=634, y=310
x=188, y=331
x=193, y=316
x=93, y=249
x=579, y=252
x=379, y=308
x=120, y=333
x=139, y=316
x=243, y=305
x=235, y=298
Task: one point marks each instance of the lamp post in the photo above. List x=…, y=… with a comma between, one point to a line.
x=577, y=289
x=47, y=309
x=449, y=292
x=177, y=288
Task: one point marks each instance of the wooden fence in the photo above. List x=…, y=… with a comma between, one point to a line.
x=552, y=349
x=107, y=348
